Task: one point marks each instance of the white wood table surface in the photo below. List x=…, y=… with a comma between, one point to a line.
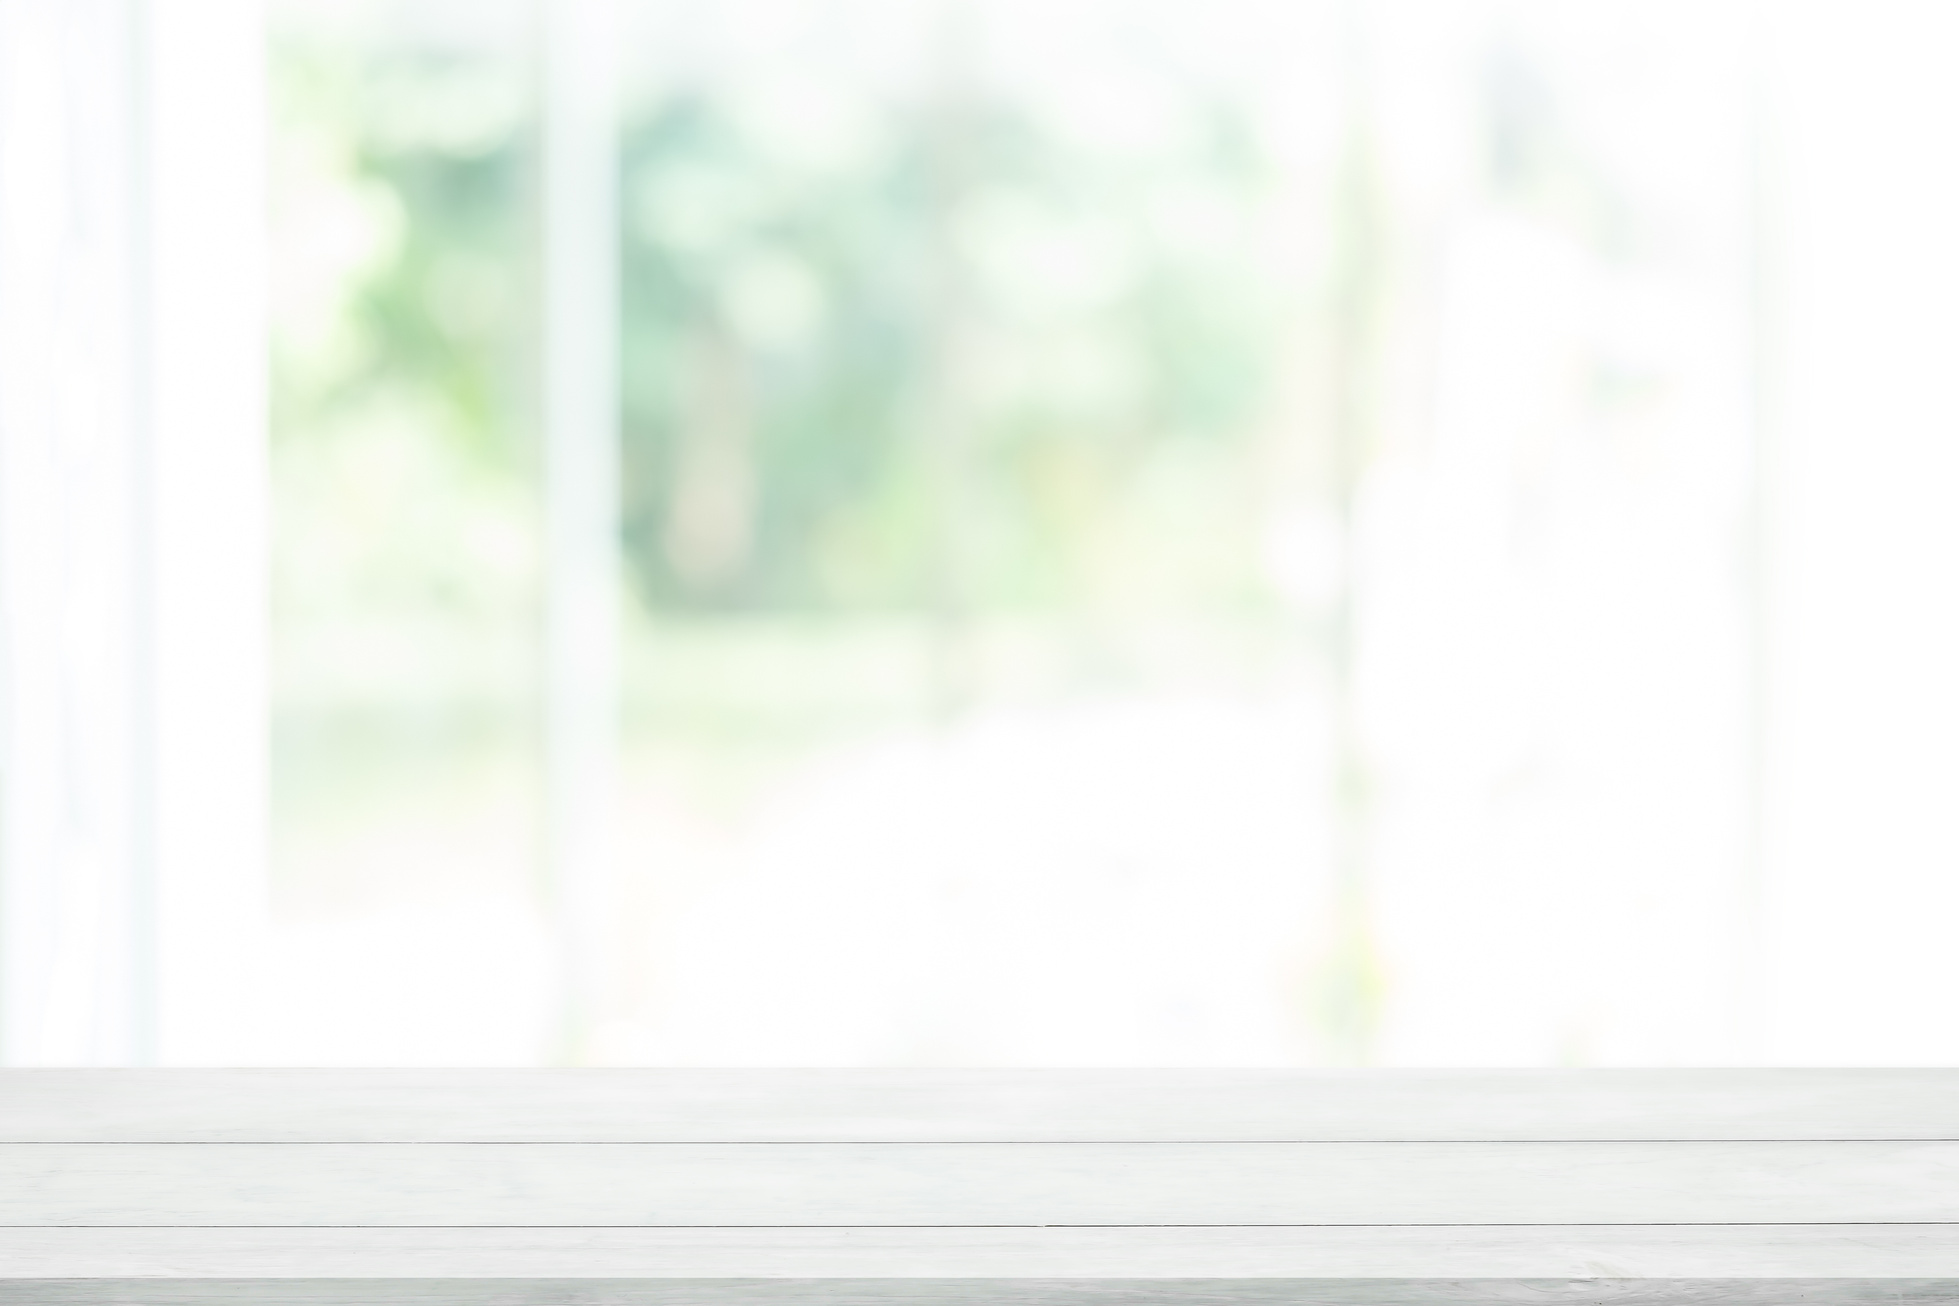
x=1344, y=1189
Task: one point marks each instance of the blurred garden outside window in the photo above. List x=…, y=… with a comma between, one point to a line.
x=1054, y=447
x=972, y=532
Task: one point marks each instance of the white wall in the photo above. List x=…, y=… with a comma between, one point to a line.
x=1865, y=653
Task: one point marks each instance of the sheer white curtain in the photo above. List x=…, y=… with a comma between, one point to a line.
x=71, y=830
x=132, y=532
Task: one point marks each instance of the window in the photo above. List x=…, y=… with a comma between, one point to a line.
x=856, y=532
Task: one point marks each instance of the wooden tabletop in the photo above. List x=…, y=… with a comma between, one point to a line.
x=474, y=1187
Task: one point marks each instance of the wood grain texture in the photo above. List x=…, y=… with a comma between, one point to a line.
x=930, y=1188
x=977, y=1183
x=1349, y=1252
x=984, y=1292
x=995, y=1105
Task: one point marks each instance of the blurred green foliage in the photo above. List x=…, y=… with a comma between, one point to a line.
x=870, y=355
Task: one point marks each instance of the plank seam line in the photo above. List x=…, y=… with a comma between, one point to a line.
x=1644, y=1224
x=918, y=1142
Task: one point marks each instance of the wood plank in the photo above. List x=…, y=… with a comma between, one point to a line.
x=1460, y=1252
x=977, y=1183
x=983, y=1292
x=929, y=1105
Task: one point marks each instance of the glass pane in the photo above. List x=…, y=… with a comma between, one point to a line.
x=1150, y=534
x=407, y=541
x=971, y=714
